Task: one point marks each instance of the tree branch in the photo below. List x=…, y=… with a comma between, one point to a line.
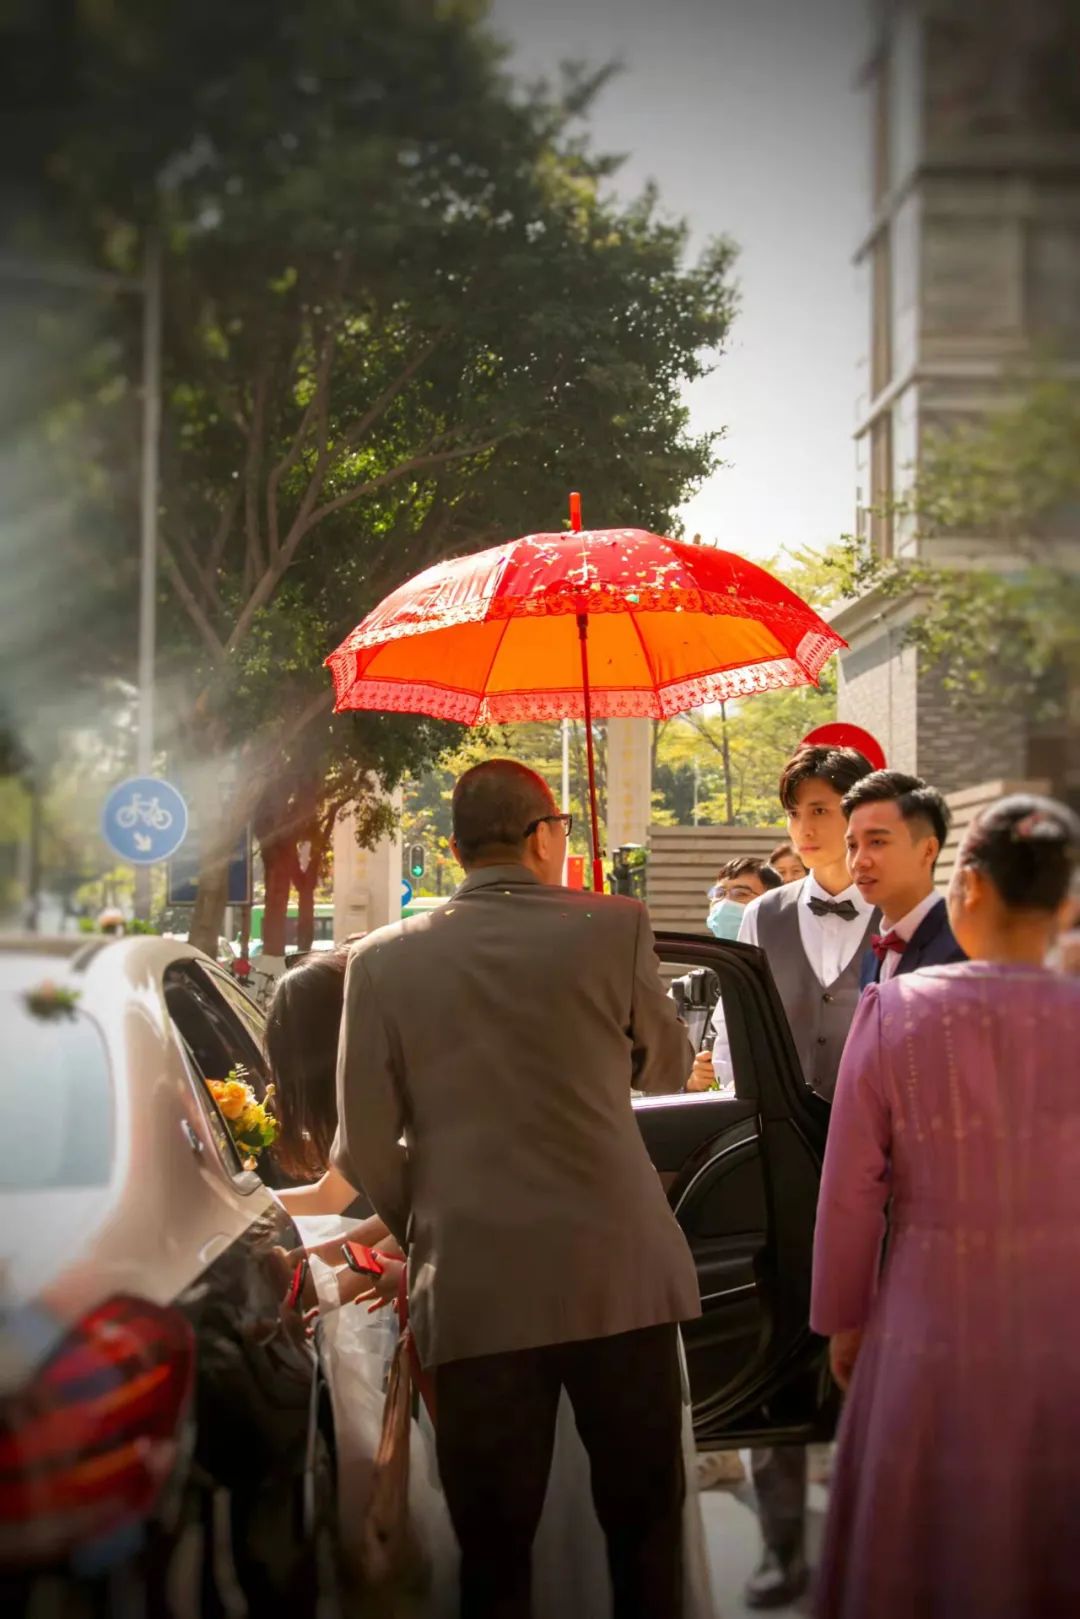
x=254, y=559
x=205, y=580
x=355, y=433
x=436, y=458
x=194, y=610
x=316, y=406
x=306, y=520
x=221, y=536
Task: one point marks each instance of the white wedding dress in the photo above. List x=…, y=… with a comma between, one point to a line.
x=569, y=1552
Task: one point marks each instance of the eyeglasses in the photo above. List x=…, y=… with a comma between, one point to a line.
x=567, y=821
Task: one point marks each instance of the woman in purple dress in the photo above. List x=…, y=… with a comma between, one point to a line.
x=956, y=1489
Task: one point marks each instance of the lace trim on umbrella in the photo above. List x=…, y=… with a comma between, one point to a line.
x=507, y=708
x=790, y=621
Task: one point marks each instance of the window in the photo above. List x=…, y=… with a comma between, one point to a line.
x=708, y=1000
x=219, y=1130
x=56, y=1099
x=217, y=1037
x=1052, y=248
x=881, y=313
x=219, y=1029
x=881, y=485
x=969, y=271
x=238, y=1002
x=879, y=92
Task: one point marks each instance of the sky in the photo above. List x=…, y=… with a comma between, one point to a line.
x=745, y=113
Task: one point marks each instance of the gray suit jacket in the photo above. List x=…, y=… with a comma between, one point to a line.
x=484, y=1075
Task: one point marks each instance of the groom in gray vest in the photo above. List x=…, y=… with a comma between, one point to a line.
x=815, y=934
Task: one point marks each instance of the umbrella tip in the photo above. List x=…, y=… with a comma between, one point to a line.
x=575, y=511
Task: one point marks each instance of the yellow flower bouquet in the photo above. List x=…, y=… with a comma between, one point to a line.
x=250, y=1122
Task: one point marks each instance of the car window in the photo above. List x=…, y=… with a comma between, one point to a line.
x=56, y=1097
x=709, y=1002
x=216, y=1036
x=219, y=1131
x=238, y=1001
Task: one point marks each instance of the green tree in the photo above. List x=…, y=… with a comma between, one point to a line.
x=999, y=497
x=727, y=759
x=426, y=817
x=403, y=317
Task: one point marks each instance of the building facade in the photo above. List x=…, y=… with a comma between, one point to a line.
x=971, y=272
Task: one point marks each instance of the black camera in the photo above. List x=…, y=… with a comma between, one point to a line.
x=695, y=994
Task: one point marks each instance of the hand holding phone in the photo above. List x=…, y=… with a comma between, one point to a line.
x=365, y=1261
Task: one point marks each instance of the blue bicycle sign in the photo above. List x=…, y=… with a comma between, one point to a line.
x=144, y=820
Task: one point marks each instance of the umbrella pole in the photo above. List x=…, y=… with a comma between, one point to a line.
x=594, y=828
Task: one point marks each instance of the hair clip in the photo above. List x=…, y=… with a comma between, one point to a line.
x=1038, y=826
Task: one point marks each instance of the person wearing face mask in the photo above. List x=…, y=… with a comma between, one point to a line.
x=744, y=879
x=956, y=1483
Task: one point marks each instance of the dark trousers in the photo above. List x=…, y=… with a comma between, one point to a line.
x=494, y=1437
x=780, y=1484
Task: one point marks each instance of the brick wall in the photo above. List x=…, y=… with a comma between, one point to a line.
x=965, y=805
x=684, y=861
x=957, y=747
x=878, y=689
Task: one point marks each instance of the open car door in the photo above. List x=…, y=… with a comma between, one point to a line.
x=742, y=1167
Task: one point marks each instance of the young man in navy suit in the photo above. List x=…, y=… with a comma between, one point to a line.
x=896, y=826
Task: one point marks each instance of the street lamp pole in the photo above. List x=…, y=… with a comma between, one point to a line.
x=148, y=499
x=148, y=514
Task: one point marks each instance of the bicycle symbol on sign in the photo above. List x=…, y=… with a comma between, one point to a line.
x=146, y=810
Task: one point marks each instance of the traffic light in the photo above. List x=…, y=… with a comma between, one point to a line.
x=416, y=861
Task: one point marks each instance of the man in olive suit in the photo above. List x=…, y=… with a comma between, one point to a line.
x=487, y=1058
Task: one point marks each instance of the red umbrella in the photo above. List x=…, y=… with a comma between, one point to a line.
x=609, y=622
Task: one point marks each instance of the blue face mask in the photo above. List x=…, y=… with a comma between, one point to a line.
x=725, y=919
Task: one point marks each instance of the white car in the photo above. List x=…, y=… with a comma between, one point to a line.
x=163, y=1421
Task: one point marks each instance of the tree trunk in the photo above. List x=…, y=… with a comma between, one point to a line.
x=306, y=884
x=208, y=916
x=725, y=751
x=279, y=858
x=220, y=817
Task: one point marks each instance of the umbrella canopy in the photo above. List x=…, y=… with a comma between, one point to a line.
x=495, y=637
x=606, y=622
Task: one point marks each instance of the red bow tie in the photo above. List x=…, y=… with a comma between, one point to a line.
x=882, y=943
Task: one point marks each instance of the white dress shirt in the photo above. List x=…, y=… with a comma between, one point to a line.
x=830, y=944
x=907, y=927
x=829, y=941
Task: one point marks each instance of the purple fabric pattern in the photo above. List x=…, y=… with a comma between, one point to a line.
x=956, y=1489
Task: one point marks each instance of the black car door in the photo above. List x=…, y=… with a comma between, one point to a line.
x=742, y=1166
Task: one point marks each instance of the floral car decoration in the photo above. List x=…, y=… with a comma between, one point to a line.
x=251, y=1123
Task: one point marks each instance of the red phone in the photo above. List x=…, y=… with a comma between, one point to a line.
x=365, y=1261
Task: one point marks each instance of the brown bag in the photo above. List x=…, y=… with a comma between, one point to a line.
x=387, y=1548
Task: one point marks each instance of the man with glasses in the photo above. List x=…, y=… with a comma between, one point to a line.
x=487, y=1057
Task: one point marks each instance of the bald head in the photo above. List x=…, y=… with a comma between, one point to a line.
x=492, y=805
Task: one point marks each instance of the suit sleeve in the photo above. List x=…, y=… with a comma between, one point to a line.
x=371, y=1114
x=854, y=1181
x=662, y=1055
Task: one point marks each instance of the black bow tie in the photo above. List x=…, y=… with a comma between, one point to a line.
x=843, y=908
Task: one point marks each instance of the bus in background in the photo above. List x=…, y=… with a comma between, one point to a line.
x=425, y=902
x=324, y=929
